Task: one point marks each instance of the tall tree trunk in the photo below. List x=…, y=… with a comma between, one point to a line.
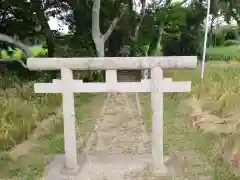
x=156, y=40
x=99, y=38
x=211, y=32
x=134, y=31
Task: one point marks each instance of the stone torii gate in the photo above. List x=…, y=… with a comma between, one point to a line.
x=157, y=86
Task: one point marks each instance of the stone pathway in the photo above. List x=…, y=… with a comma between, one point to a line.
x=119, y=135
x=120, y=130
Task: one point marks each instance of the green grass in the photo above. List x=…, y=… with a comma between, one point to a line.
x=21, y=109
x=219, y=94
x=31, y=166
x=224, y=53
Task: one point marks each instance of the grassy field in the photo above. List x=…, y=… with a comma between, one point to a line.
x=224, y=53
x=31, y=165
x=219, y=98
x=21, y=110
x=32, y=124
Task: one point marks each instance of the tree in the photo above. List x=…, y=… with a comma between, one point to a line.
x=183, y=30
x=230, y=9
x=99, y=38
x=31, y=17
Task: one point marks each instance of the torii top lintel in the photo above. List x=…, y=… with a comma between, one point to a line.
x=111, y=63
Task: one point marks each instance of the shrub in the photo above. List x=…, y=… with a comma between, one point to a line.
x=178, y=38
x=223, y=53
x=230, y=34
x=221, y=35
x=218, y=38
x=231, y=42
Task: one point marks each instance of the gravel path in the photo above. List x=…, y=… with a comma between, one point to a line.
x=120, y=130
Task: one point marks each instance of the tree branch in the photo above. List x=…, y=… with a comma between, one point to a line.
x=112, y=27
x=137, y=28
x=96, y=34
x=236, y=17
x=20, y=45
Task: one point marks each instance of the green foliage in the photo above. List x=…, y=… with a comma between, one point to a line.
x=45, y=46
x=17, y=53
x=21, y=109
x=182, y=30
x=230, y=34
x=223, y=53
x=231, y=42
x=218, y=38
x=98, y=76
x=230, y=9
x=221, y=35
